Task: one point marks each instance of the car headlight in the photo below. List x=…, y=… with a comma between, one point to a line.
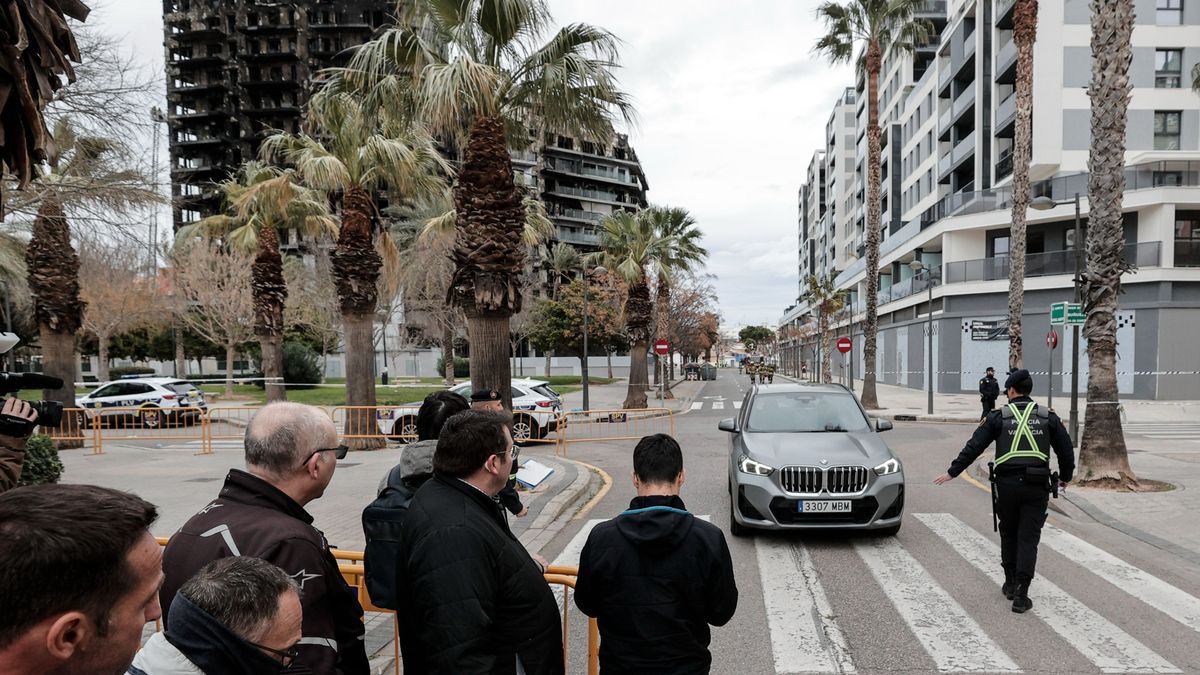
x=747, y=465
x=890, y=466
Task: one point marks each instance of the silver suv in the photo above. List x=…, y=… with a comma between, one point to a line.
x=807, y=456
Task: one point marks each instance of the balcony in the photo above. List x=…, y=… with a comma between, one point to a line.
x=587, y=237
x=577, y=214
x=1006, y=63
x=931, y=9
x=1006, y=115
x=962, y=150
x=909, y=287
x=599, y=195
x=577, y=169
x=1004, y=14
x=1004, y=165
x=964, y=103
x=945, y=124
x=945, y=77
x=1051, y=263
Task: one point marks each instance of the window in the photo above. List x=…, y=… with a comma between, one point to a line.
x=1187, y=238
x=1169, y=12
x=1166, y=130
x=1168, y=68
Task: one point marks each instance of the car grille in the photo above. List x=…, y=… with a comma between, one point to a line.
x=841, y=480
x=800, y=479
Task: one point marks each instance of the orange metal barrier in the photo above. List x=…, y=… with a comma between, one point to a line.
x=146, y=423
x=613, y=425
x=350, y=564
x=384, y=422
x=227, y=424
x=74, y=427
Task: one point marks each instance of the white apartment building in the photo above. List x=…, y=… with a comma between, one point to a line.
x=949, y=129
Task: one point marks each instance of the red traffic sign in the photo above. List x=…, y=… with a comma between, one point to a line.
x=1052, y=339
x=661, y=347
x=843, y=344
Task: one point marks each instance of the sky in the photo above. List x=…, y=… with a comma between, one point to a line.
x=731, y=105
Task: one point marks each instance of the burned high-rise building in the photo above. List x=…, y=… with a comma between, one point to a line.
x=238, y=68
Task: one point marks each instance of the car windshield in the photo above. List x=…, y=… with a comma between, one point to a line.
x=805, y=412
x=184, y=388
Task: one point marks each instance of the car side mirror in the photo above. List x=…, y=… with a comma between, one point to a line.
x=728, y=424
x=883, y=425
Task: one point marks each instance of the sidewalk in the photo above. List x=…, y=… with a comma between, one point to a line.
x=912, y=405
x=612, y=396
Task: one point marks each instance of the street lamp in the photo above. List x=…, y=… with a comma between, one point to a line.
x=917, y=266
x=584, y=367
x=1045, y=204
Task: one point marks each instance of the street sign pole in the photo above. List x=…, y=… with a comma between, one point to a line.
x=1079, y=243
x=1051, y=343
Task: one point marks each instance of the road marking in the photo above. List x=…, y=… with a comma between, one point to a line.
x=949, y=635
x=697, y=405
x=718, y=405
x=1111, y=649
x=805, y=636
x=1140, y=584
x=737, y=405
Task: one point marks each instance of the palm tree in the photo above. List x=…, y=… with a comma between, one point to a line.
x=828, y=300
x=632, y=247
x=87, y=175
x=564, y=260
x=355, y=152
x=1103, y=457
x=1025, y=14
x=480, y=73
x=880, y=26
x=261, y=200
x=685, y=254
x=1196, y=78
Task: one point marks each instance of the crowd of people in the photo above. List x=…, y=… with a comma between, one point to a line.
x=249, y=585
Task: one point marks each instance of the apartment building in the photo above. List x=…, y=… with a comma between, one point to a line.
x=238, y=68
x=812, y=217
x=949, y=205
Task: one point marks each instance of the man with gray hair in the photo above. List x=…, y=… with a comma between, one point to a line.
x=291, y=455
x=237, y=616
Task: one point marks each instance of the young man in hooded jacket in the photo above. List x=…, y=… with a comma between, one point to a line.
x=656, y=622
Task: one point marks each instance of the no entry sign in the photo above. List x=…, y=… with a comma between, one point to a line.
x=1052, y=339
x=661, y=347
x=843, y=344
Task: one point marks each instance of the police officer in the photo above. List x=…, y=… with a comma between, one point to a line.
x=489, y=400
x=989, y=391
x=1021, y=482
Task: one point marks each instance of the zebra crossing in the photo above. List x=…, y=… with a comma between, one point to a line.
x=717, y=404
x=1167, y=431
x=803, y=617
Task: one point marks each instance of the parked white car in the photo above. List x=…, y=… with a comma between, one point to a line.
x=159, y=400
x=536, y=407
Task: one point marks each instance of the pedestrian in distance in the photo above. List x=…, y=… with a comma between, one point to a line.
x=656, y=577
x=236, y=616
x=79, y=577
x=291, y=455
x=489, y=400
x=989, y=391
x=475, y=601
x=1021, y=478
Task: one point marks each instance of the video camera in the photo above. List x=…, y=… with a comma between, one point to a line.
x=49, y=412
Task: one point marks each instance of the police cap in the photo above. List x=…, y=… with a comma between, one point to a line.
x=1015, y=377
x=482, y=395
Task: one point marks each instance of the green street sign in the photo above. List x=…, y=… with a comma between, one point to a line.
x=1067, y=314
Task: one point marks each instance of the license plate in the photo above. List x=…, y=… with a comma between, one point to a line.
x=823, y=506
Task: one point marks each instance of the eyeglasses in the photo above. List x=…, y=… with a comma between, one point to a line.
x=286, y=656
x=515, y=452
x=340, y=451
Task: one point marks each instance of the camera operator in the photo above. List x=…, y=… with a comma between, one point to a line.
x=17, y=421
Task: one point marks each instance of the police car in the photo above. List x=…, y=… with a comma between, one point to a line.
x=159, y=401
x=536, y=407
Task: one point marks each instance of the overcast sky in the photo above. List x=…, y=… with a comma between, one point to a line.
x=731, y=103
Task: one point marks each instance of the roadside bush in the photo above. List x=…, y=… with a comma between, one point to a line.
x=121, y=371
x=462, y=367
x=301, y=365
x=42, y=464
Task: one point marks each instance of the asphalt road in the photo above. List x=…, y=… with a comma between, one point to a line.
x=926, y=600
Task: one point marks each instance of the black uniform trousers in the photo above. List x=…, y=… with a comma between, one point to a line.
x=989, y=404
x=1021, y=507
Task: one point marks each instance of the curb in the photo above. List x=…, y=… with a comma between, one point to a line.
x=551, y=518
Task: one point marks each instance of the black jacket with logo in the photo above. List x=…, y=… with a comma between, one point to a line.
x=655, y=577
x=989, y=388
x=473, y=601
x=252, y=517
x=991, y=429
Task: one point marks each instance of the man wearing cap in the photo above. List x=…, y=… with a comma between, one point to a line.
x=489, y=400
x=1024, y=433
x=989, y=391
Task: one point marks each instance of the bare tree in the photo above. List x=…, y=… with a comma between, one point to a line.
x=312, y=302
x=117, y=296
x=214, y=286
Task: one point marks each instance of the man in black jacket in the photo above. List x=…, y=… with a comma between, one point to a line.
x=475, y=601
x=291, y=455
x=655, y=577
x=989, y=391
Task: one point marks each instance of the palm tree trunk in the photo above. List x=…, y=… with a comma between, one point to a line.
x=488, y=253
x=638, y=312
x=1103, y=458
x=180, y=356
x=549, y=355
x=448, y=355
x=826, y=347
x=608, y=356
x=1024, y=34
x=356, y=267
x=102, y=357
x=58, y=360
x=270, y=294
x=230, y=353
x=662, y=302
x=870, y=324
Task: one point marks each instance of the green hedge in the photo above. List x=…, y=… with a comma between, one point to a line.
x=462, y=367
x=42, y=464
